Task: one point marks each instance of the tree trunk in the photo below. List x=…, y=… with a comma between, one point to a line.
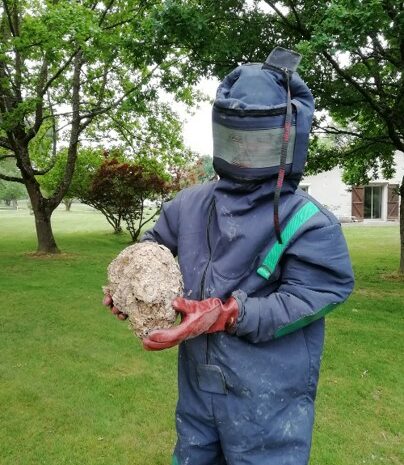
x=46, y=241
x=402, y=227
x=68, y=204
x=44, y=233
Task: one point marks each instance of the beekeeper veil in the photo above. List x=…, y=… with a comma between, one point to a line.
x=261, y=121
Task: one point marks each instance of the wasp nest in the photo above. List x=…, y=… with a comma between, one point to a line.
x=143, y=280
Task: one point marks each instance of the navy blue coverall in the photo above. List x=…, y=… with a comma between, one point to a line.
x=248, y=398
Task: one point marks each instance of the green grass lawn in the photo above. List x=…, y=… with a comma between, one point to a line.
x=77, y=388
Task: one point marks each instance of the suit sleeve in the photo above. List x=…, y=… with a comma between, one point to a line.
x=316, y=276
x=165, y=231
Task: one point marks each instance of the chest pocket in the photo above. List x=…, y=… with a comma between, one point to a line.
x=245, y=266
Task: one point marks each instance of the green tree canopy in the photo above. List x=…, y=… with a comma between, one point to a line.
x=353, y=57
x=68, y=69
x=10, y=192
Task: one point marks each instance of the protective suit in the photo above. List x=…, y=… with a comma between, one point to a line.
x=246, y=397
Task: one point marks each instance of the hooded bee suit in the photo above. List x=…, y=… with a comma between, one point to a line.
x=247, y=398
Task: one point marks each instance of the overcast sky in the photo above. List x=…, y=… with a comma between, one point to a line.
x=198, y=127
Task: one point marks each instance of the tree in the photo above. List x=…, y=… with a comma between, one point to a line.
x=87, y=163
x=197, y=171
x=67, y=66
x=120, y=190
x=353, y=61
x=10, y=192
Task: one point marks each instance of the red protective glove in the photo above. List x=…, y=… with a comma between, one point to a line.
x=197, y=317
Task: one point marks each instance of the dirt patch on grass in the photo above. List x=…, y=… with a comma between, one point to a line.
x=370, y=292
x=378, y=294
x=51, y=256
x=393, y=277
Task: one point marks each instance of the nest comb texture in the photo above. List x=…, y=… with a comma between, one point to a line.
x=143, y=280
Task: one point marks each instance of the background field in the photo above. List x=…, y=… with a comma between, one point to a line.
x=76, y=387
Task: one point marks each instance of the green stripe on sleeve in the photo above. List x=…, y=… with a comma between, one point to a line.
x=295, y=223
x=306, y=320
x=174, y=461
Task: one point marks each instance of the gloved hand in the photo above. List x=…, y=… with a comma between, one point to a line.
x=198, y=317
x=108, y=302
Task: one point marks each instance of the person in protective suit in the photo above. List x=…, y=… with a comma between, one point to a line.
x=263, y=263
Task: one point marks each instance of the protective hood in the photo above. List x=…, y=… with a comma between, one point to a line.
x=249, y=117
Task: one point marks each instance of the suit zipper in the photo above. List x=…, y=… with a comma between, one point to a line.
x=202, y=287
x=210, y=214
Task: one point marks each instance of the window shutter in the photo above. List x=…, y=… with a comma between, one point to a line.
x=392, y=202
x=358, y=194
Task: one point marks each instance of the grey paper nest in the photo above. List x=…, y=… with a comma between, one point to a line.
x=143, y=280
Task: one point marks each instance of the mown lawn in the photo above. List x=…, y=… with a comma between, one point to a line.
x=77, y=388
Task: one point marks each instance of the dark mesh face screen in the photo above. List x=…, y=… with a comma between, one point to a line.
x=252, y=148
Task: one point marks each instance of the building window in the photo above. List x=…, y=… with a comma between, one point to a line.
x=373, y=202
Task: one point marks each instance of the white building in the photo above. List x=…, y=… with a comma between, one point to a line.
x=377, y=201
